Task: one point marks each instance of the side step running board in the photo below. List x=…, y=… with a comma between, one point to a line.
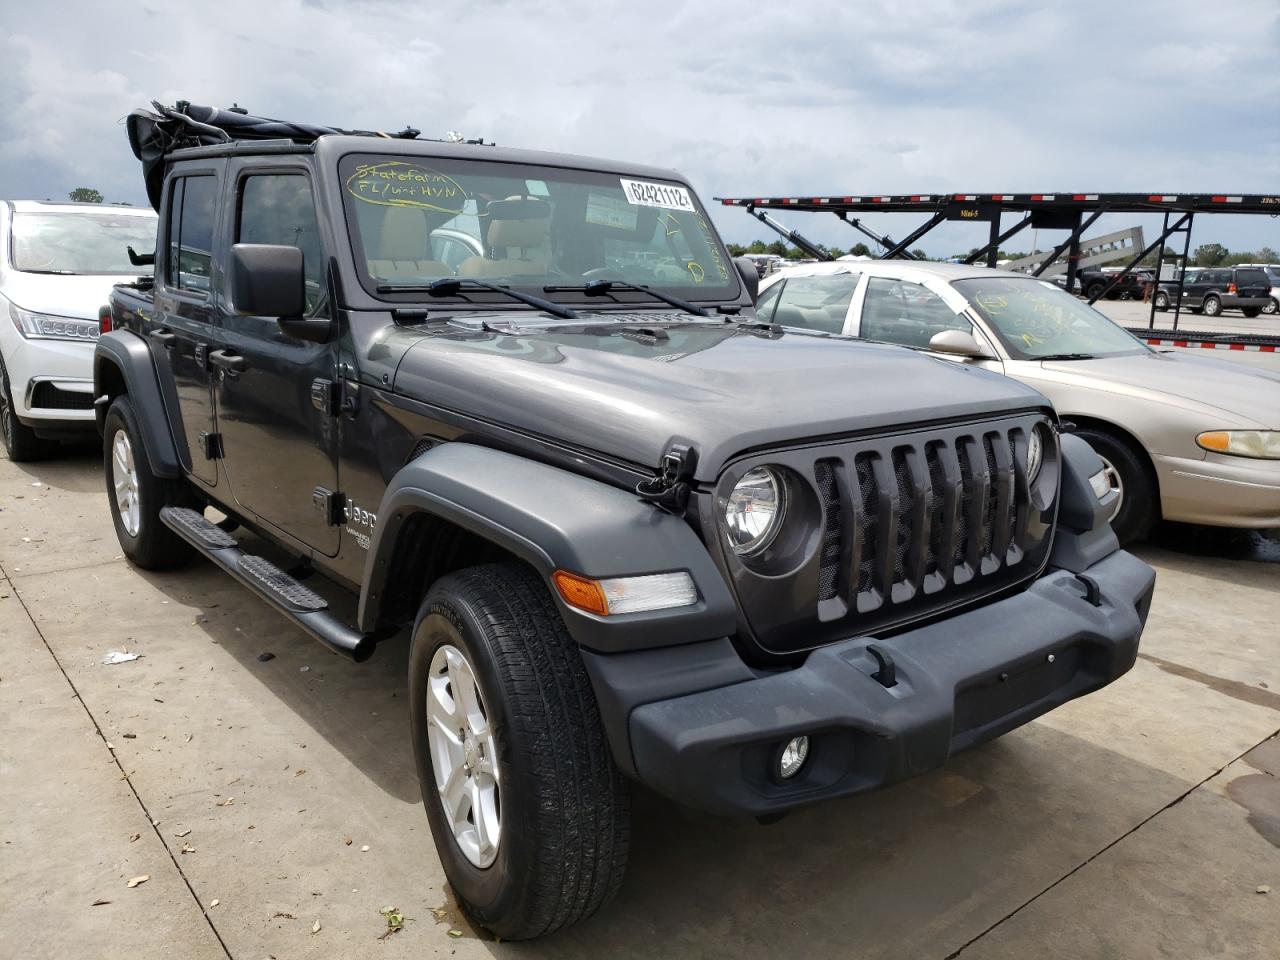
x=303, y=606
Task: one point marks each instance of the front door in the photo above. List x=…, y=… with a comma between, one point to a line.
x=279, y=435
x=184, y=323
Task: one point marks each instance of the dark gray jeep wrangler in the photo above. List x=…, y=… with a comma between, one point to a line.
x=520, y=404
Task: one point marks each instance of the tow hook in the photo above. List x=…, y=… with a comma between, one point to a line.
x=887, y=673
x=1092, y=592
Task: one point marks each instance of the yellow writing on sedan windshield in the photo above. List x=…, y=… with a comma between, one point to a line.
x=395, y=183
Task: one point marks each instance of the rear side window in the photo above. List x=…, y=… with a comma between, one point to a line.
x=898, y=311
x=277, y=209
x=816, y=303
x=1252, y=277
x=192, y=206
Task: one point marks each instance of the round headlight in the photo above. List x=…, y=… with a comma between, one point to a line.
x=753, y=515
x=1035, y=454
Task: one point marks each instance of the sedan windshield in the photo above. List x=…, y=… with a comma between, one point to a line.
x=1036, y=320
x=80, y=243
x=418, y=219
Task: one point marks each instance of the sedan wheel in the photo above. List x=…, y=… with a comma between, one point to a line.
x=1116, y=483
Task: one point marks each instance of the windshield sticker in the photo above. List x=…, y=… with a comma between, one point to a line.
x=606, y=210
x=395, y=183
x=662, y=195
x=537, y=188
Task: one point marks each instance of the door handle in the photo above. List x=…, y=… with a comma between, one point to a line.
x=231, y=362
x=163, y=337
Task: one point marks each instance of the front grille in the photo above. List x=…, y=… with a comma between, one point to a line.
x=926, y=526
x=47, y=396
x=909, y=524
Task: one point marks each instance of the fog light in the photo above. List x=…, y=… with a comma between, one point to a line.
x=793, y=757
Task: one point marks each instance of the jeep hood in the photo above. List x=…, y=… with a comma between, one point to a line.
x=726, y=389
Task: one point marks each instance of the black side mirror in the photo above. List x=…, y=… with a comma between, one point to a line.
x=267, y=280
x=750, y=277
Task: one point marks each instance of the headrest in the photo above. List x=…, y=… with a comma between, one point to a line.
x=404, y=234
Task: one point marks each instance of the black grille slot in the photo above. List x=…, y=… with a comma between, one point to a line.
x=832, y=526
x=989, y=503
x=421, y=447
x=906, y=510
x=937, y=507
x=47, y=396
x=967, y=486
x=870, y=496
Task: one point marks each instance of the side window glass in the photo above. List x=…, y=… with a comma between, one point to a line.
x=897, y=311
x=768, y=302
x=816, y=303
x=277, y=208
x=172, y=226
x=195, y=233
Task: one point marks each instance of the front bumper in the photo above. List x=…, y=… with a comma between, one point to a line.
x=1221, y=491
x=960, y=681
x=66, y=366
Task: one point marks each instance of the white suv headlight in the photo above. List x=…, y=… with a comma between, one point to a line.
x=43, y=326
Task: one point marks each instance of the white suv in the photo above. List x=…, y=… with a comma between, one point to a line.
x=58, y=262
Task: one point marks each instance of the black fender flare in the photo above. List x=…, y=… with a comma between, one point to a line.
x=129, y=354
x=555, y=520
x=1083, y=536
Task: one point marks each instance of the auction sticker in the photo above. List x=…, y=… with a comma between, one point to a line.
x=664, y=195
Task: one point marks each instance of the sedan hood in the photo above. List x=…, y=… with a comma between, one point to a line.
x=627, y=390
x=1248, y=393
x=60, y=295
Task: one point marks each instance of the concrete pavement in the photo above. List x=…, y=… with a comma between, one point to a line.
x=1138, y=822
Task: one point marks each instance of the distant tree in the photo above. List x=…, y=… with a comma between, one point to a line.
x=795, y=253
x=861, y=250
x=85, y=195
x=1267, y=255
x=836, y=252
x=1210, y=254
x=777, y=249
x=757, y=246
x=735, y=249
x=919, y=254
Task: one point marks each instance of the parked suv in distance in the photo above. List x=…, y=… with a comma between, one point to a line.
x=1272, y=270
x=631, y=531
x=58, y=262
x=1210, y=290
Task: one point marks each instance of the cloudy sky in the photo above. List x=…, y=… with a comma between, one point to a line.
x=859, y=96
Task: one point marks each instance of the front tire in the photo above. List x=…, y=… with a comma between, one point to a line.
x=1212, y=307
x=529, y=814
x=136, y=494
x=1129, y=472
x=20, y=441
x=1162, y=301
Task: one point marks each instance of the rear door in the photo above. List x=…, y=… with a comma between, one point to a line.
x=279, y=432
x=1252, y=282
x=185, y=323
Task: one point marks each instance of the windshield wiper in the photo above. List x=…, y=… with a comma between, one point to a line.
x=1067, y=356
x=451, y=286
x=602, y=288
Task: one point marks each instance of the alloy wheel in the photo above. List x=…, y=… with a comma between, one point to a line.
x=464, y=755
x=124, y=477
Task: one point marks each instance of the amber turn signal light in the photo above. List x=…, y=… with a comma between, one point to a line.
x=581, y=592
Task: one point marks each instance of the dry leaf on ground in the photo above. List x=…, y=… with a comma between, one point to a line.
x=137, y=880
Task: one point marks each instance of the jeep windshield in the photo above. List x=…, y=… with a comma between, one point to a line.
x=415, y=220
x=1037, y=320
